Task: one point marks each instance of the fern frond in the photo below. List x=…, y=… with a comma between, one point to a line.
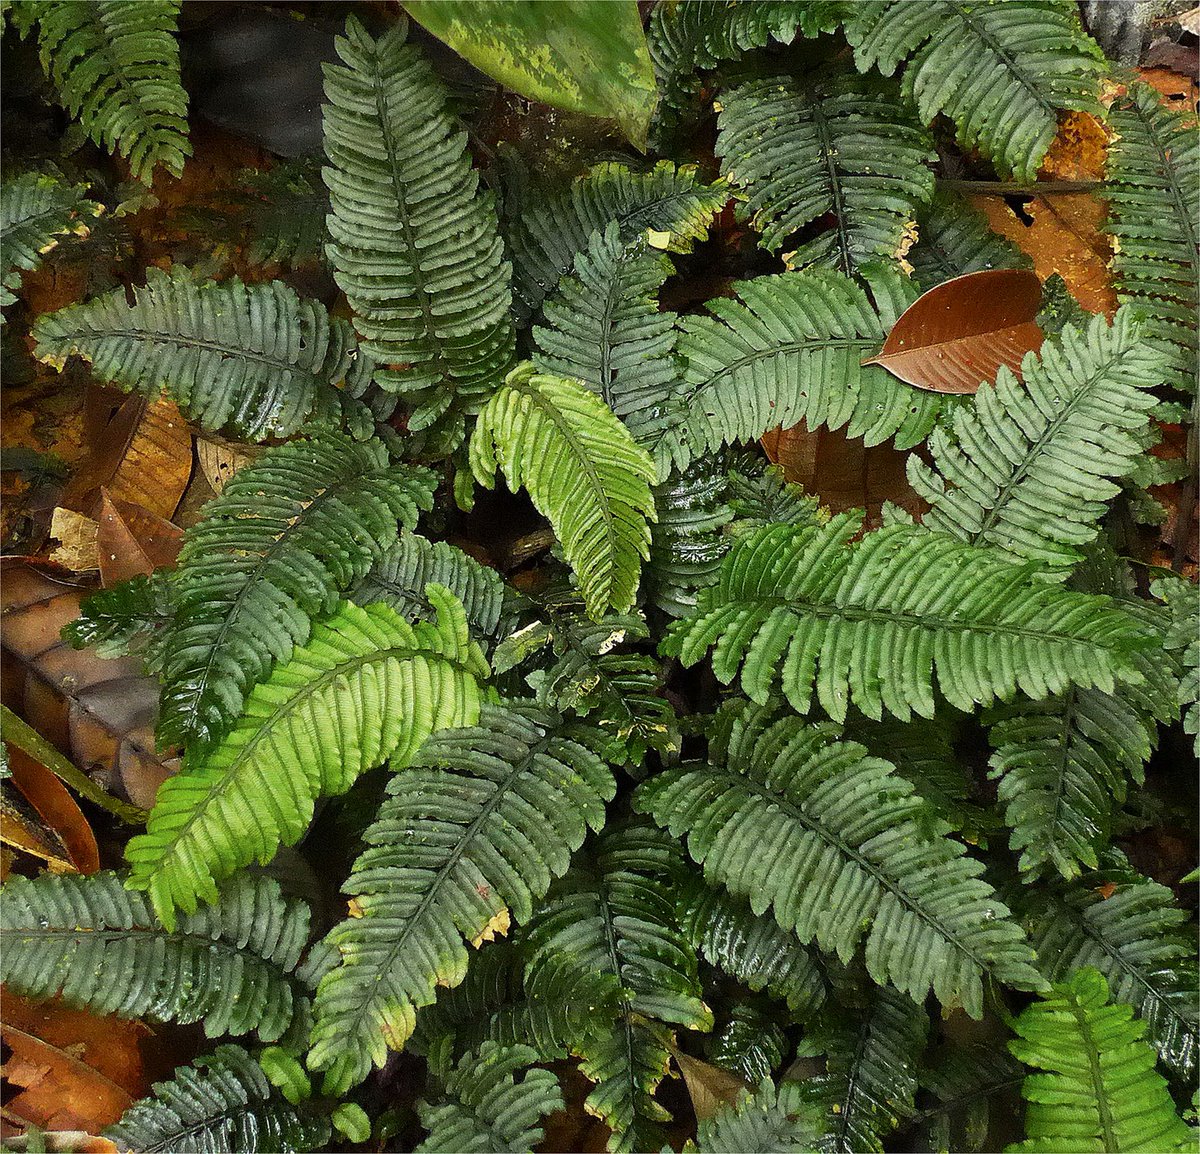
x=970, y=1085
x=116, y=68
x=760, y=494
x=788, y=349
x=669, y=200
x=129, y=615
x=275, y=550
x=584, y=473
x=953, y=239
x=222, y=1104
x=870, y=623
x=604, y=328
x=1183, y=637
x=471, y=835
x=415, y=244
x=839, y=147
x=1001, y=72
x=256, y=358
x=775, y=1119
x=1097, y=1089
x=841, y=849
x=367, y=687
x=1030, y=466
x=750, y=1041
x=484, y=1108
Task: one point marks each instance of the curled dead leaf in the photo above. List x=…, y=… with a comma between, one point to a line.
x=46, y=814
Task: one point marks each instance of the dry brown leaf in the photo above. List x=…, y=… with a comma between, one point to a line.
x=76, y=535
x=62, y=1142
x=1079, y=150
x=710, y=1088
x=57, y=813
x=219, y=460
x=132, y=541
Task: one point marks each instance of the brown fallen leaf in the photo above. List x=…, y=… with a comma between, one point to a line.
x=76, y=535
x=132, y=541
x=959, y=334
x=219, y=460
x=710, y=1088
x=60, y=1142
x=57, y=811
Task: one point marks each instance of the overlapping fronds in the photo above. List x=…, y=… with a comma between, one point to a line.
x=953, y=239
x=1001, y=72
x=1096, y=1088
x=870, y=623
x=750, y=1041
x=469, y=837
x=584, y=473
x=36, y=209
x=415, y=244
x=256, y=358
x=116, y=68
x=222, y=1104
x=1029, y=467
x=484, y=1108
x=89, y=940
x=788, y=349
x=607, y=937
x=839, y=847
x=760, y=494
x=1153, y=192
x=669, y=200
x=1183, y=638
x=970, y=1085
x=275, y=550
x=775, y=1119
x=843, y=148
x=367, y=687
x=604, y=328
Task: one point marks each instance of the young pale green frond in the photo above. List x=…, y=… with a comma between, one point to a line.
x=604, y=328
x=1097, y=1088
x=484, y=1108
x=223, y=1104
x=584, y=473
x=839, y=847
x=116, y=68
x=273, y=552
x=469, y=837
x=1183, y=637
x=788, y=349
x=1030, y=467
x=871, y=623
x=91, y=942
x=779, y=1120
x=842, y=148
x=953, y=239
x=367, y=687
x=415, y=244
x=1001, y=72
x=255, y=358
x=668, y=200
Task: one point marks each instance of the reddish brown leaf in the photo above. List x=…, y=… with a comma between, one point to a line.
x=132, y=541
x=958, y=335
x=57, y=809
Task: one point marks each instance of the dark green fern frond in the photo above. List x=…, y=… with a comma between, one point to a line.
x=415, y=244
x=953, y=239
x=128, y=616
x=367, y=687
x=275, y=550
x=1092, y=1056
x=116, y=68
x=844, y=853
x=970, y=1086
x=604, y=328
x=484, y=1108
x=470, y=836
x=750, y=1042
x=1183, y=637
x=223, y=1104
x=870, y=623
x=780, y=1120
x=669, y=200
x=760, y=494
x=1001, y=72
x=1030, y=466
x=257, y=358
x=231, y=966
x=842, y=147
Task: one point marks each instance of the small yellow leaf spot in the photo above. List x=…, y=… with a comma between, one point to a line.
x=656, y=239
x=499, y=923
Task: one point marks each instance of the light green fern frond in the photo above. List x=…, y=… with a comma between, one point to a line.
x=116, y=68
x=367, y=687
x=256, y=358
x=953, y=239
x=775, y=1119
x=1096, y=1088
x=584, y=473
x=1001, y=72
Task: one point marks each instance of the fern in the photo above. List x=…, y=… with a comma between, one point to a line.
x=870, y=623
x=775, y=1119
x=256, y=358
x=583, y=472
x=841, y=849
x=1029, y=468
x=1001, y=72
x=1183, y=637
x=471, y=835
x=223, y=1104
x=970, y=1085
x=414, y=243
x=286, y=536
x=604, y=329
x=760, y=494
x=367, y=687
x=953, y=239
x=127, y=616
x=838, y=147
x=484, y=1107
x=750, y=1042
x=116, y=68
x=1092, y=1056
